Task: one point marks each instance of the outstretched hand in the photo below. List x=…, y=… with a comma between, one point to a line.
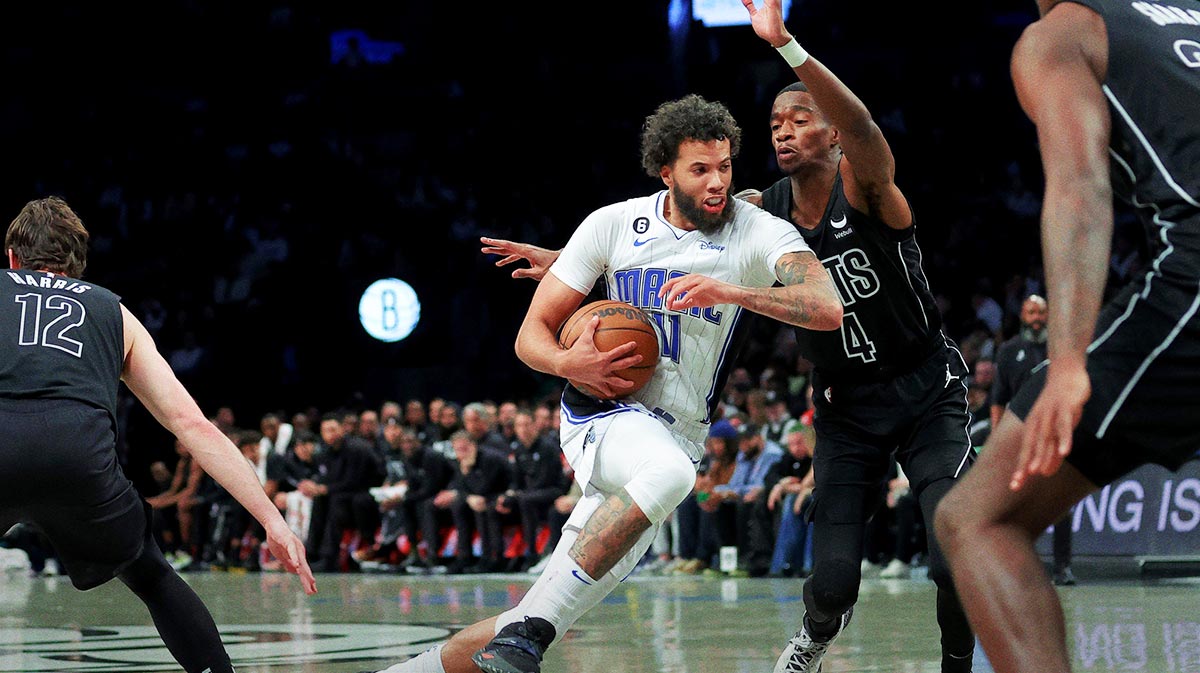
x=1051, y=422
x=768, y=22
x=539, y=259
x=288, y=548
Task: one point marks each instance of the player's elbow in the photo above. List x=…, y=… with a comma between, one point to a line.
x=521, y=347
x=194, y=430
x=527, y=351
x=830, y=316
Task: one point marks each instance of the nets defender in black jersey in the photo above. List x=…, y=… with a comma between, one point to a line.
x=64, y=346
x=1113, y=87
x=888, y=382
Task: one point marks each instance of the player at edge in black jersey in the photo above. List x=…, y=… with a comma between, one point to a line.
x=64, y=346
x=1113, y=88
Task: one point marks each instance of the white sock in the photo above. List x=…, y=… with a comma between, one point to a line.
x=662, y=542
x=564, y=592
x=429, y=661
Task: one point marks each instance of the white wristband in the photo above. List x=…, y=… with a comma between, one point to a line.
x=793, y=53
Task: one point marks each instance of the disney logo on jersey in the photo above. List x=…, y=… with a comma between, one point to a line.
x=852, y=275
x=709, y=245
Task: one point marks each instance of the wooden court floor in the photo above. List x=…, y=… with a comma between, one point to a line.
x=649, y=624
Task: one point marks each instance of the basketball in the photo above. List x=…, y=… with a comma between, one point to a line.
x=620, y=323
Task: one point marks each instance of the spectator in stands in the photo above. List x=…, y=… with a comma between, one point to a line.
x=276, y=435
x=699, y=540
x=479, y=480
x=505, y=417
x=735, y=500
x=538, y=481
x=390, y=495
x=479, y=422
x=788, y=488
x=244, y=534
x=417, y=420
x=371, y=432
x=173, y=508
x=388, y=410
x=778, y=417
x=447, y=425
x=293, y=478
x=349, y=467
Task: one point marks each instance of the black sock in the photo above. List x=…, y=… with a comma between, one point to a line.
x=183, y=621
x=958, y=642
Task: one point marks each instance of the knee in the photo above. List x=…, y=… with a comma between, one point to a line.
x=833, y=587
x=950, y=519
x=659, y=487
x=147, y=571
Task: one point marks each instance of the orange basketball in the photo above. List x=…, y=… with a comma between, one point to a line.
x=620, y=323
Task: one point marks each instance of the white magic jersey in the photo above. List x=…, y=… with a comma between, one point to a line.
x=637, y=250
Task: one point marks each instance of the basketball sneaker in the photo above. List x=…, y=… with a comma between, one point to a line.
x=803, y=654
x=517, y=648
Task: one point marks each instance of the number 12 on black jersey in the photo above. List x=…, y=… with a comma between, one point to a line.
x=46, y=321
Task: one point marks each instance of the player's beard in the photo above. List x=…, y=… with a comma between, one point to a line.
x=707, y=223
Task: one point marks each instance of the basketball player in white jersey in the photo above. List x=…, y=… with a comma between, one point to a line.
x=695, y=260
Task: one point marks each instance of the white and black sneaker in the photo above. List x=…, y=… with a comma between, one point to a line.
x=803, y=654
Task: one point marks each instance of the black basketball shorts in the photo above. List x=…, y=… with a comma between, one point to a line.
x=1144, y=366
x=919, y=416
x=59, y=472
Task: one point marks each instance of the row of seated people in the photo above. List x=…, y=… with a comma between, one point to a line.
x=395, y=495
x=752, y=490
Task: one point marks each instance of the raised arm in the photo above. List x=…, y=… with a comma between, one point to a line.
x=150, y=378
x=1058, y=67
x=807, y=297
x=537, y=342
x=869, y=168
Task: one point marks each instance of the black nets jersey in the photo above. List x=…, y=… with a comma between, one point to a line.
x=890, y=319
x=1153, y=92
x=60, y=338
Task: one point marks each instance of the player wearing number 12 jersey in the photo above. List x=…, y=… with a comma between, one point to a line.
x=64, y=346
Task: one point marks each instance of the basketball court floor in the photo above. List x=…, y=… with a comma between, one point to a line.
x=650, y=624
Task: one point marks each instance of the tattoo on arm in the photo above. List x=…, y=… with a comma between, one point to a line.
x=609, y=534
x=786, y=303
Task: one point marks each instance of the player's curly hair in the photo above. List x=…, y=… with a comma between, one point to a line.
x=689, y=118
